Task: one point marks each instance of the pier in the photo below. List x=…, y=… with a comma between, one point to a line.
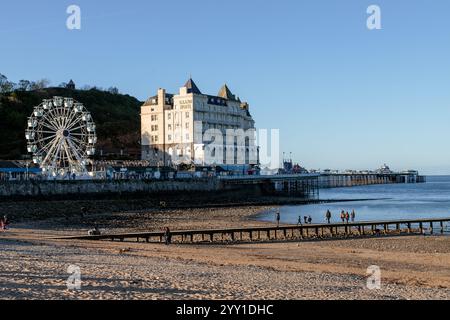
x=338, y=180
x=283, y=233
x=305, y=186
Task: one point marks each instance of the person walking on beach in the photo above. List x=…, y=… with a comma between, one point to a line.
x=343, y=216
x=347, y=217
x=299, y=222
x=328, y=216
x=4, y=222
x=278, y=217
x=353, y=216
x=309, y=220
x=167, y=236
x=83, y=212
x=305, y=218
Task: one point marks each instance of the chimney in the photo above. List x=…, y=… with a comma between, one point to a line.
x=161, y=97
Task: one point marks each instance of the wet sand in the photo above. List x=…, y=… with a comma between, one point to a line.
x=32, y=266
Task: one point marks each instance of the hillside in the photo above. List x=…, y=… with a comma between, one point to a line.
x=116, y=116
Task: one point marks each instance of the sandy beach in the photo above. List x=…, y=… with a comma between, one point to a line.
x=33, y=266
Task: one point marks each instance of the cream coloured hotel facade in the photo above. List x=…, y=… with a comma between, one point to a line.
x=195, y=128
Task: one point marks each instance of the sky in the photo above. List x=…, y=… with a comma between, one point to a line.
x=342, y=96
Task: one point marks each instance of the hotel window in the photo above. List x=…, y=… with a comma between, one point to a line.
x=187, y=137
x=169, y=116
x=187, y=125
x=169, y=137
x=154, y=117
x=170, y=127
x=187, y=115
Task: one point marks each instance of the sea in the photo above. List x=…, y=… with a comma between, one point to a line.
x=387, y=202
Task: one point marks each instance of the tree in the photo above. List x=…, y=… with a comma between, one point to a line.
x=40, y=84
x=24, y=85
x=5, y=85
x=113, y=90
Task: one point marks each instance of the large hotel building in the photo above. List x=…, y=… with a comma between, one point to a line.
x=194, y=128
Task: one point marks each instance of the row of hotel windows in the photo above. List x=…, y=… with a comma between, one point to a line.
x=155, y=127
x=154, y=117
x=155, y=139
x=170, y=137
x=218, y=116
x=186, y=115
x=170, y=127
x=217, y=108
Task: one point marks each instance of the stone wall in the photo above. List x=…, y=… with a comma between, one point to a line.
x=67, y=188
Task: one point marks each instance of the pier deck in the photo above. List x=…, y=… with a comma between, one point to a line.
x=283, y=232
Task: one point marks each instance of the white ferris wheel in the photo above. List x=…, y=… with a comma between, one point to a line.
x=61, y=136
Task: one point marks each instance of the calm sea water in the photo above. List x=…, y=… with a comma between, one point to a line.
x=394, y=201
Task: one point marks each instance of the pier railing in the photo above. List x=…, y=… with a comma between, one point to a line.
x=284, y=232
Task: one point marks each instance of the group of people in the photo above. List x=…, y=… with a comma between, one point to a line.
x=301, y=220
x=4, y=223
x=345, y=217
x=306, y=220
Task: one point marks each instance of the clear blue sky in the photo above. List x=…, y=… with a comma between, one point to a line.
x=342, y=96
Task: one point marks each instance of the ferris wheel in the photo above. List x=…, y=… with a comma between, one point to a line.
x=61, y=136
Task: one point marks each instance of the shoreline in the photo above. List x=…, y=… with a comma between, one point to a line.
x=414, y=267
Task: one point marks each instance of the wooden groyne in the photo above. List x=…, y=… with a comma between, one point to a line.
x=285, y=232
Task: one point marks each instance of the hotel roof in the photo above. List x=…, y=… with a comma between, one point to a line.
x=192, y=87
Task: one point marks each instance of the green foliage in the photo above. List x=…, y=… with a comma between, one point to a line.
x=116, y=116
